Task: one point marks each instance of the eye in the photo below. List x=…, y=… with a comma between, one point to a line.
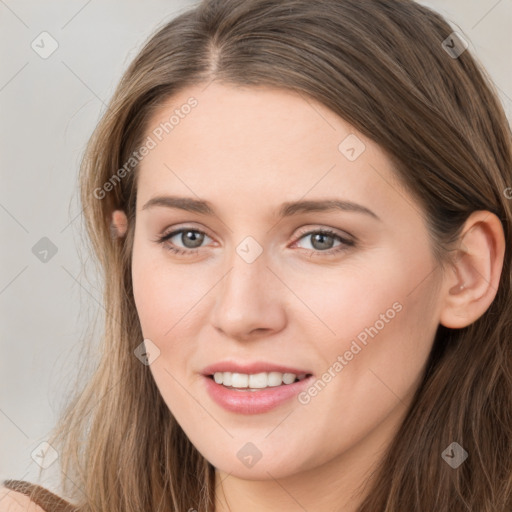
x=322, y=242
x=190, y=237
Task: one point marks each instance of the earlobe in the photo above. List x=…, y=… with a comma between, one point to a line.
x=473, y=281
x=119, y=224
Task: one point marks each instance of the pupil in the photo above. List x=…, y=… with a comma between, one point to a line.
x=321, y=236
x=193, y=236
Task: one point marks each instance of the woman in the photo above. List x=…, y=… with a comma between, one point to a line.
x=302, y=212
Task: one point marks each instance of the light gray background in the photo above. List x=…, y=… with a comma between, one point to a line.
x=49, y=108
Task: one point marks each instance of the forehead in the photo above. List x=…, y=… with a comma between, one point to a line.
x=260, y=145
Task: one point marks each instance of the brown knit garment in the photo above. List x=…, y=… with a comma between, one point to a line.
x=46, y=499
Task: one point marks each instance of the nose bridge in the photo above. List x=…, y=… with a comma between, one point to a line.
x=247, y=299
x=245, y=281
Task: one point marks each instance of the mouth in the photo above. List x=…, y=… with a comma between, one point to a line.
x=256, y=382
x=258, y=396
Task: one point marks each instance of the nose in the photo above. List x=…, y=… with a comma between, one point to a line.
x=249, y=301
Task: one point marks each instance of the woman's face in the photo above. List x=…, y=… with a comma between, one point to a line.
x=357, y=308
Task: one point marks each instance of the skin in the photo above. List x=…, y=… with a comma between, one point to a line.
x=247, y=150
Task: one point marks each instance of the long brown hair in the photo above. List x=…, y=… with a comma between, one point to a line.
x=383, y=66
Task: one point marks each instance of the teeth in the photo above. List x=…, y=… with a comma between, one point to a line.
x=225, y=379
x=255, y=380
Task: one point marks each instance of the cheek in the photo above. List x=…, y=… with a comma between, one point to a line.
x=152, y=297
x=343, y=300
x=162, y=294
x=380, y=316
x=384, y=324
x=164, y=300
x=372, y=290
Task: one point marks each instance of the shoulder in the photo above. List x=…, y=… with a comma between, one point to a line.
x=14, y=501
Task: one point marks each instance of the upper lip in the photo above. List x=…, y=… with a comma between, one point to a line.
x=250, y=368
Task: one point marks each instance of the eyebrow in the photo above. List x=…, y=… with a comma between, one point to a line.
x=286, y=210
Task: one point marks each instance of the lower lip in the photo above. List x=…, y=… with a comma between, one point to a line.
x=254, y=402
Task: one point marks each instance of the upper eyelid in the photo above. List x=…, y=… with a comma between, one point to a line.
x=176, y=231
x=336, y=232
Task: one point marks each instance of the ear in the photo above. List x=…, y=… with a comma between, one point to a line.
x=119, y=224
x=472, y=282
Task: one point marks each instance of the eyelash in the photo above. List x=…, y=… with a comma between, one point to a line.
x=345, y=243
